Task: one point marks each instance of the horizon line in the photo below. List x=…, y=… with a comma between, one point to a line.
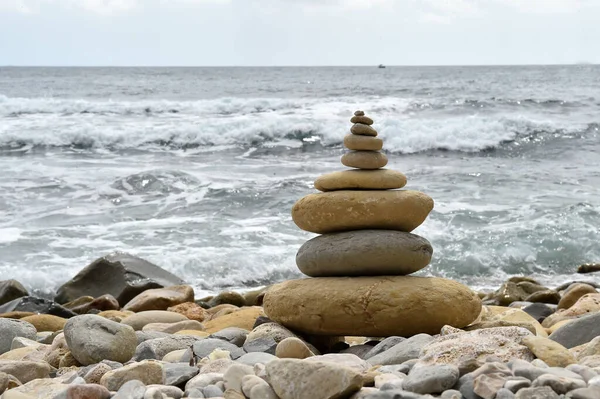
x=298, y=66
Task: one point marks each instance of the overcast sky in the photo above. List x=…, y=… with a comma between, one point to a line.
x=298, y=32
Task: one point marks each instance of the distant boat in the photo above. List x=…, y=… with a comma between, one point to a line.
x=381, y=66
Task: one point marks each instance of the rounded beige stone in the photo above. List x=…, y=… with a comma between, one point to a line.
x=381, y=179
x=359, y=113
x=364, y=159
x=364, y=253
x=346, y=210
x=365, y=120
x=363, y=130
x=362, y=143
x=371, y=306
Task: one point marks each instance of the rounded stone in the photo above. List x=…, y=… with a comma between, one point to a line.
x=363, y=130
x=346, y=210
x=382, y=179
x=365, y=120
x=362, y=143
x=364, y=159
x=359, y=113
x=364, y=253
x=371, y=306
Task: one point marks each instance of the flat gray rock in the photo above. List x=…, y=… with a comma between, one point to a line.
x=431, y=379
x=578, y=332
x=256, y=357
x=11, y=328
x=133, y=389
x=383, y=346
x=537, y=393
x=403, y=351
x=179, y=373
x=364, y=253
x=592, y=392
x=234, y=335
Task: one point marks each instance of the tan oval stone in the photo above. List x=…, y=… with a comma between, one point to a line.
x=363, y=130
x=46, y=322
x=293, y=348
x=172, y=328
x=139, y=320
x=552, y=353
x=116, y=315
x=573, y=293
x=345, y=210
x=382, y=179
x=161, y=298
x=190, y=310
x=242, y=318
x=364, y=159
x=511, y=316
x=371, y=306
x=362, y=143
x=365, y=120
x=364, y=253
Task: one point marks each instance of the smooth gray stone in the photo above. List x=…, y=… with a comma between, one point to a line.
x=179, y=373
x=262, y=344
x=256, y=357
x=431, y=379
x=133, y=389
x=205, y=347
x=195, y=393
x=169, y=391
x=537, y=393
x=504, y=393
x=358, y=350
x=532, y=372
x=558, y=384
x=143, y=336
x=403, y=351
x=591, y=392
x=212, y=391
x=157, y=348
x=584, y=371
x=384, y=345
x=578, y=332
x=538, y=311
x=513, y=384
x=11, y=290
x=11, y=328
x=153, y=393
x=466, y=386
x=451, y=394
x=234, y=335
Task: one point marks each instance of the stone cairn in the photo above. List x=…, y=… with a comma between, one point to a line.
x=360, y=263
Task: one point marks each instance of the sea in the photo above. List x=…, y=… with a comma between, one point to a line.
x=197, y=169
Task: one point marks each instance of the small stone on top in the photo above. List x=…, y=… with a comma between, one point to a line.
x=359, y=113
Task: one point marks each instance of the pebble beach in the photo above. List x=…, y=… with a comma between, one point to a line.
x=358, y=325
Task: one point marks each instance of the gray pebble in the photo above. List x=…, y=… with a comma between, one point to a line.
x=133, y=389
x=558, y=384
x=395, y=369
x=451, y=394
x=262, y=344
x=179, y=373
x=234, y=335
x=212, y=391
x=256, y=357
x=504, y=394
x=391, y=385
x=403, y=351
x=195, y=393
x=586, y=372
x=169, y=391
x=513, y=384
x=537, y=393
x=383, y=346
x=206, y=346
x=431, y=379
x=157, y=348
x=578, y=331
x=11, y=328
x=592, y=392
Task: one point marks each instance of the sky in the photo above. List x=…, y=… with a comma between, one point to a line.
x=298, y=32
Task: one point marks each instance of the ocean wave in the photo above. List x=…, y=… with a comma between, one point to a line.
x=263, y=122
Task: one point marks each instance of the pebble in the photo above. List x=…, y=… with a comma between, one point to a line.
x=234, y=335
x=203, y=380
x=212, y=391
x=256, y=357
x=293, y=348
x=362, y=143
x=147, y=371
x=487, y=385
x=537, y=393
x=171, y=328
x=558, y=384
x=11, y=328
x=552, y=353
x=578, y=332
x=363, y=130
x=157, y=348
x=402, y=351
x=365, y=120
x=133, y=389
x=317, y=379
x=234, y=375
x=431, y=379
x=24, y=370
x=538, y=311
x=364, y=160
x=138, y=320
x=573, y=293
x=92, y=338
x=179, y=373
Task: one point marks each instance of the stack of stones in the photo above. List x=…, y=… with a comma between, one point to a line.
x=360, y=263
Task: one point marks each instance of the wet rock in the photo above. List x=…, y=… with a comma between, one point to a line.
x=538, y=311
x=573, y=293
x=119, y=274
x=36, y=305
x=228, y=297
x=11, y=290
